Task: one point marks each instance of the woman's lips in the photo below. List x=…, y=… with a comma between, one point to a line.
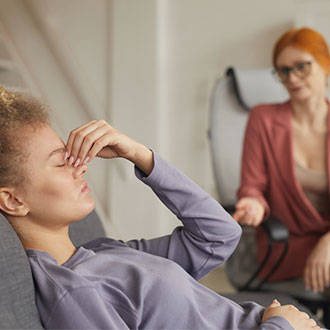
x=296, y=89
x=85, y=188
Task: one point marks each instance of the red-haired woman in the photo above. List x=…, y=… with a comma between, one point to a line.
x=286, y=160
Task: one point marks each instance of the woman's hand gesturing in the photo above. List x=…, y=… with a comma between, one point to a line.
x=99, y=139
x=249, y=211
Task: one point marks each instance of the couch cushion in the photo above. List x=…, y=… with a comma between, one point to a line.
x=87, y=229
x=17, y=298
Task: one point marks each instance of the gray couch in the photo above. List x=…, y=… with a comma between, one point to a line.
x=17, y=298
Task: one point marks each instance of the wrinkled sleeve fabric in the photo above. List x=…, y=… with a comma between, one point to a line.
x=254, y=174
x=85, y=308
x=209, y=234
x=276, y=323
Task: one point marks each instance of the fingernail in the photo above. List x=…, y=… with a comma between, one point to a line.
x=77, y=162
x=71, y=160
x=86, y=160
x=66, y=155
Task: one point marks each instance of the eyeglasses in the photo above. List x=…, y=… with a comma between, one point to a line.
x=300, y=70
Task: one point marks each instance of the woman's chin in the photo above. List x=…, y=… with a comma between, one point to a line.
x=90, y=205
x=300, y=96
x=86, y=208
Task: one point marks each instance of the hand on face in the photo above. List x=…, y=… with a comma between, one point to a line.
x=297, y=319
x=99, y=139
x=317, y=269
x=249, y=211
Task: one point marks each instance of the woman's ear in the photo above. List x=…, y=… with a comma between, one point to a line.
x=11, y=203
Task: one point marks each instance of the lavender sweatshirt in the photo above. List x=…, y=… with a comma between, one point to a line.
x=150, y=284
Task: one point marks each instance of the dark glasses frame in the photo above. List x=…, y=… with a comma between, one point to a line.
x=300, y=69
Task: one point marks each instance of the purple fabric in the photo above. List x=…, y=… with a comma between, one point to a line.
x=149, y=284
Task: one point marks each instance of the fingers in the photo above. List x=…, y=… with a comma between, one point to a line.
x=312, y=323
x=293, y=307
x=297, y=319
x=305, y=315
x=83, y=139
x=239, y=215
x=316, y=276
x=242, y=214
x=74, y=133
x=320, y=275
x=308, y=322
x=320, y=278
x=307, y=277
x=248, y=220
x=98, y=146
x=327, y=275
x=275, y=303
x=243, y=217
x=249, y=211
x=314, y=279
x=86, y=141
x=247, y=216
x=251, y=217
x=242, y=203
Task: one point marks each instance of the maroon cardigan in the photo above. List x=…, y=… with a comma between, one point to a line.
x=268, y=175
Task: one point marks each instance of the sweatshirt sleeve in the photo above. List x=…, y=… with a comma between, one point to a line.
x=209, y=234
x=254, y=175
x=276, y=323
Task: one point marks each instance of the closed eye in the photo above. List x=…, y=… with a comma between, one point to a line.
x=62, y=165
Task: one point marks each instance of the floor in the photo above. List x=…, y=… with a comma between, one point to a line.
x=218, y=281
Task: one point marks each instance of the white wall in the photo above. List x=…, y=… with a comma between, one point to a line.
x=150, y=65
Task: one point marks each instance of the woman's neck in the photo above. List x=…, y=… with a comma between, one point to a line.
x=56, y=242
x=311, y=114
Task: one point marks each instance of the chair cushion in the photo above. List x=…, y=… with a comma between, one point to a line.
x=17, y=298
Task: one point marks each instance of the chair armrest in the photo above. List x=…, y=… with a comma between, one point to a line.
x=276, y=230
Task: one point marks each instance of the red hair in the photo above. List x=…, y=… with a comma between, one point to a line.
x=307, y=40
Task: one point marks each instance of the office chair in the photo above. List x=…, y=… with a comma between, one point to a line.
x=232, y=98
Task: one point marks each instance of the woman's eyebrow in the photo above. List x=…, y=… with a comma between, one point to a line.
x=56, y=151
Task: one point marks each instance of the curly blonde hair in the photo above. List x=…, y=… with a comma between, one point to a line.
x=18, y=110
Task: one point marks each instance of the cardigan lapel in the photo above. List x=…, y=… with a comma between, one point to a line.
x=282, y=141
